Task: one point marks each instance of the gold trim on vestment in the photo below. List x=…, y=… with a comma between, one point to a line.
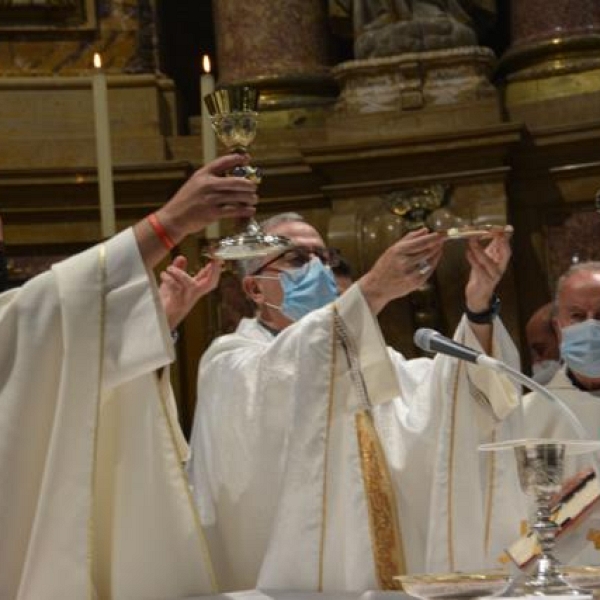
x=186, y=486
x=490, y=497
x=333, y=363
x=102, y=273
x=386, y=538
x=385, y=533
x=450, y=509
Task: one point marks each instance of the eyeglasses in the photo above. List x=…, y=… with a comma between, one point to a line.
x=298, y=256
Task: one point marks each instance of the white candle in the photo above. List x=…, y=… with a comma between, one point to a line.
x=207, y=86
x=209, y=142
x=103, y=154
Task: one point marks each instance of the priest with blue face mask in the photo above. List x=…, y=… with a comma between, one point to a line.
x=577, y=382
x=324, y=460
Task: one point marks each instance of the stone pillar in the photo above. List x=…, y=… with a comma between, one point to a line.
x=555, y=54
x=280, y=47
x=537, y=21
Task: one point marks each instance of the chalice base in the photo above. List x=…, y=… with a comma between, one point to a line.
x=540, y=585
x=243, y=246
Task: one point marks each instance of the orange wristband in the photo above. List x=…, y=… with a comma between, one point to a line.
x=161, y=232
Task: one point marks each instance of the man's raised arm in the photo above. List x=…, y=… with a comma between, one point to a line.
x=207, y=196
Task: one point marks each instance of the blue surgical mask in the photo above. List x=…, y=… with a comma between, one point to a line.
x=544, y=371
x=305, y=289
x=580, y=348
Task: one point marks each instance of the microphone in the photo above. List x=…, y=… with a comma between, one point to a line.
x=431, y=340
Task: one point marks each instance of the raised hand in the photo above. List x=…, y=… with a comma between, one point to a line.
x=488, y=264
x=402, y=268
x=180, y=291
x=208, y=195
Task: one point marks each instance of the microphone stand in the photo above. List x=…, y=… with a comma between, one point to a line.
x=432, y=341
x=499, y=366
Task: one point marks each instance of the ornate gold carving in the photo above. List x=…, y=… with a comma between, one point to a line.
x=386, y=537
x=416, y=204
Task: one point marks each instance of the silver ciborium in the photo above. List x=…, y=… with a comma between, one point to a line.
x=234, y=117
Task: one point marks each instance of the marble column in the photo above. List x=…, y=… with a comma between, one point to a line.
x=537, y=21
x=280, y=47
x=554, y=53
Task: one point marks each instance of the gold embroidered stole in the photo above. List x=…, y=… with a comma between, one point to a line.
x=384, y=525
x=381, y=503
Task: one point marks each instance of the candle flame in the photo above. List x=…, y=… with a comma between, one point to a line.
x=206, y=63
x=97, y=61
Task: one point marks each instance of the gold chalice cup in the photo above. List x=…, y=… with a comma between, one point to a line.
x=234, y=117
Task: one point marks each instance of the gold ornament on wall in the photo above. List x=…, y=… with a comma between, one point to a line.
x=416, y=205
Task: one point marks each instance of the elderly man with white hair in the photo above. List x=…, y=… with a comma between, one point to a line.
x=576, y=320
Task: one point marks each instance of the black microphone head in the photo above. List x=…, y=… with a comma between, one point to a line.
x=423, y=337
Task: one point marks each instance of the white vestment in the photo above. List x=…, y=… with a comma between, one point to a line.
x=279, y=472
x=544, y=419
x=93, y=499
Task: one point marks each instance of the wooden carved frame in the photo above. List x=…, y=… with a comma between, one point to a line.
x=45, y=17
